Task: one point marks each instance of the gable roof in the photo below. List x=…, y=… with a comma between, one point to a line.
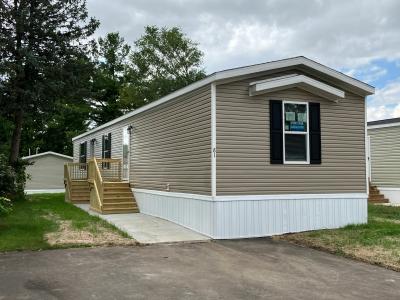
x=299, y=61
x=384, y=123
x=294, y=80
x=48, y=153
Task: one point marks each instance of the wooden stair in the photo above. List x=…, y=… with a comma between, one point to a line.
x=375, y=195
x=80, y=191
x=118, y=198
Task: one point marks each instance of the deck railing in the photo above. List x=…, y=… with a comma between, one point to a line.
x=96, y=172
x=77, y=171
x=110, y=169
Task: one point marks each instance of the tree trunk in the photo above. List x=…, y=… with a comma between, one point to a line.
x=16, y=137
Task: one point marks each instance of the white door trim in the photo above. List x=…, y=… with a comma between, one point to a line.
x=125, y=132
x=213, y=141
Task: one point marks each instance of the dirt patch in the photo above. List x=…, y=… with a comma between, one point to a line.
x=393, y=221
x=377, y=255
x=97, y=235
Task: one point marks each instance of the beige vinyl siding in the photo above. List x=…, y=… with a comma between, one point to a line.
x=47, y=172
x=243, y=148
x=385, y=156
x=170, y=144
x=116, y=140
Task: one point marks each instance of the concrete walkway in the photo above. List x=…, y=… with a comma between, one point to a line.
x=149, y=230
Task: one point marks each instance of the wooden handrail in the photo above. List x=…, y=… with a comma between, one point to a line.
x=67, y=183
x=96, y=185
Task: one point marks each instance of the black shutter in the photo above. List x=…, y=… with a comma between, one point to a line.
x=109, y=145
x=315, y=133
x=102, y=146
x=276, y=131
x=85, y=151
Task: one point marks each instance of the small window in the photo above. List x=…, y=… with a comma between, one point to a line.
x=106, y=150
x=295, y=132
x=82, y=152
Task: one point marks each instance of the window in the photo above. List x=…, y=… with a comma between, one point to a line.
x=295, y=132
x=82, y=152
x=106, y=150
x=106, y=146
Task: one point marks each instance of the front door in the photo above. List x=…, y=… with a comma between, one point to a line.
x=125, y=153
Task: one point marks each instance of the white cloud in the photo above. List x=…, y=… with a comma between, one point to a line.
x=383, y=112
x=344, y=34
x=385, y=103
x=388, y=95
x=235, y=32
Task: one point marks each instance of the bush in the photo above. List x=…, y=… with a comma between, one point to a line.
x=5, y=206
x=12, y=178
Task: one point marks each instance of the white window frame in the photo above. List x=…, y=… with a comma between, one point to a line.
x=306, y=133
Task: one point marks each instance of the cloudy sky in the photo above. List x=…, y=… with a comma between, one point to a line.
x=360, y=38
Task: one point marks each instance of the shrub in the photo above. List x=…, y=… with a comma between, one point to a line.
x=5, y=206
x=12, y=178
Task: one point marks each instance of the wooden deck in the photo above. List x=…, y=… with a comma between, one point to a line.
x=99, y=183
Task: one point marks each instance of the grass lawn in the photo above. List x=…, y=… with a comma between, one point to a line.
x=377, y=242
x=46, y=221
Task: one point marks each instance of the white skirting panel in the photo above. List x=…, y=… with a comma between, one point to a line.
x=256, y=218
x=392, y=194
x=189, y=210
x=225, y=217
x=44, y=191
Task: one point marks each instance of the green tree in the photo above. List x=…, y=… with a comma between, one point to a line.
x=110, y=58
x=164, y=60
x=39, y=41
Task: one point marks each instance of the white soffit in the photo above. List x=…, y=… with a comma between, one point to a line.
x=294, y=80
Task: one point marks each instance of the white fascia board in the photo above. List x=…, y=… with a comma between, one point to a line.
x=300, y=81
x=242, y=71
x=254, y=197
x=290, y=62
x=383, y=125
x=180, y=92
x=48, y=153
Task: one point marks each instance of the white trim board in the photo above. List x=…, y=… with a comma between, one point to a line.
x=301, y=81
x=363, y=88
x=383, y=125
x=253, y=197
x=48, y=153
x=213, y=140
x=44, y=191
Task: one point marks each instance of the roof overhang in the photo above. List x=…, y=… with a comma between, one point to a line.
x=299, y=62
x=300, y=81
x=47, y=153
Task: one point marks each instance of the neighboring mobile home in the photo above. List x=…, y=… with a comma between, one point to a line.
x=46, y=174
x=253, y=151
x=384, y=162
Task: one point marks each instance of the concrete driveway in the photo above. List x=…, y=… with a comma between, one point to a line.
x=239, y=269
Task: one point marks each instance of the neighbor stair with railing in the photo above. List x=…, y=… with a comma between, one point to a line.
x=375, y=196
x=99, y=183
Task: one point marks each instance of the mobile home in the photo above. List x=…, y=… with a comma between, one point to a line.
x=253, y=151
x=384, y=159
